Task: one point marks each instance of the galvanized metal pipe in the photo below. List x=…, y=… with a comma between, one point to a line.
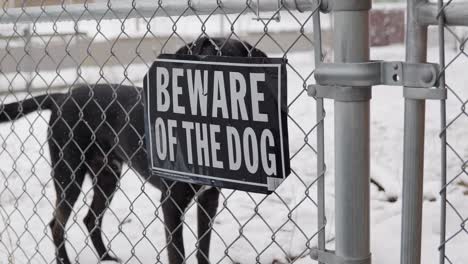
x=352, y=125
x=144, y=8
x=413, y=149
x=443, y=138
x=320, y=113
x=456, y=14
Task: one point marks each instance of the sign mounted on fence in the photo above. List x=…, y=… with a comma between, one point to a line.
x=219, y=121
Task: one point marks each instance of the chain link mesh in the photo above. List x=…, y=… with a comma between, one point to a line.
x=454, y=59
x=47, y=57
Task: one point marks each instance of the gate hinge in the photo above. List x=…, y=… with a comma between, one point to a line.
x=337, y=80
x=329, y=257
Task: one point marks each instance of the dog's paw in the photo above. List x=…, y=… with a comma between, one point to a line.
x=392, y=198
x=110, y=259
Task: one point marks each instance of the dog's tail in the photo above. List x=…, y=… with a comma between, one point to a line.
x=16, y=110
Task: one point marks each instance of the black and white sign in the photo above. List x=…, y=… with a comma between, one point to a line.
x=218, y=121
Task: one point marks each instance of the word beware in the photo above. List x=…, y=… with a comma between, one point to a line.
x=197, y=87
x=218, y=121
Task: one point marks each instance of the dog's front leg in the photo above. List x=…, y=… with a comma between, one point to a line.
x=174, y=203
x=207, y=207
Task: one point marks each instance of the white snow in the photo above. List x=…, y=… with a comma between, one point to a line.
x=249, y=228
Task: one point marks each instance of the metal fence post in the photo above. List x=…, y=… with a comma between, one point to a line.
x=443, y=137
x=352, y=125
x=413, y=149
x=27, y=36
x=321, y=220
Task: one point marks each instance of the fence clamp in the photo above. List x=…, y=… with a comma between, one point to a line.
x=329, y=257
x=344, y=5
x=350, y=81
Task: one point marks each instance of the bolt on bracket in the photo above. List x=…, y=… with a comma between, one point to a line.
x=350, y=81
x=329, y=257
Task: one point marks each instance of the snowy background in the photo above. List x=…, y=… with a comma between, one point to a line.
x=249, y=228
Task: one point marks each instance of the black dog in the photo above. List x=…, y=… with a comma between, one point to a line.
x=94, y=130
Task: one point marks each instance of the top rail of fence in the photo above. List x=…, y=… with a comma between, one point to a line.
x=145, y=8
x=456, y=14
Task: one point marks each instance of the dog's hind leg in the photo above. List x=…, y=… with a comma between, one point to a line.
x=206, y=211
x=68, y=187
x=174, y=200
x=105, y=179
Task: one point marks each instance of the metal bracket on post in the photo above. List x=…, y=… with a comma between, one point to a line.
x=345, y=5
x=344, y=81
x=329, y=257
x=339, y=93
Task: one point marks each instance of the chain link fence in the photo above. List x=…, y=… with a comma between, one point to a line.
x=453, y=59
x=49, y=49
x=55, y=47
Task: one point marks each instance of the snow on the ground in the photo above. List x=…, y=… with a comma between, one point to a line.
x=249, y=228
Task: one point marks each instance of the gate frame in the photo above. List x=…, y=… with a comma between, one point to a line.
x=413, y=146
x=352, y=138
x=420, y=15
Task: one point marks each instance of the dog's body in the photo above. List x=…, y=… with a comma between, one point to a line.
x=94, y=130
